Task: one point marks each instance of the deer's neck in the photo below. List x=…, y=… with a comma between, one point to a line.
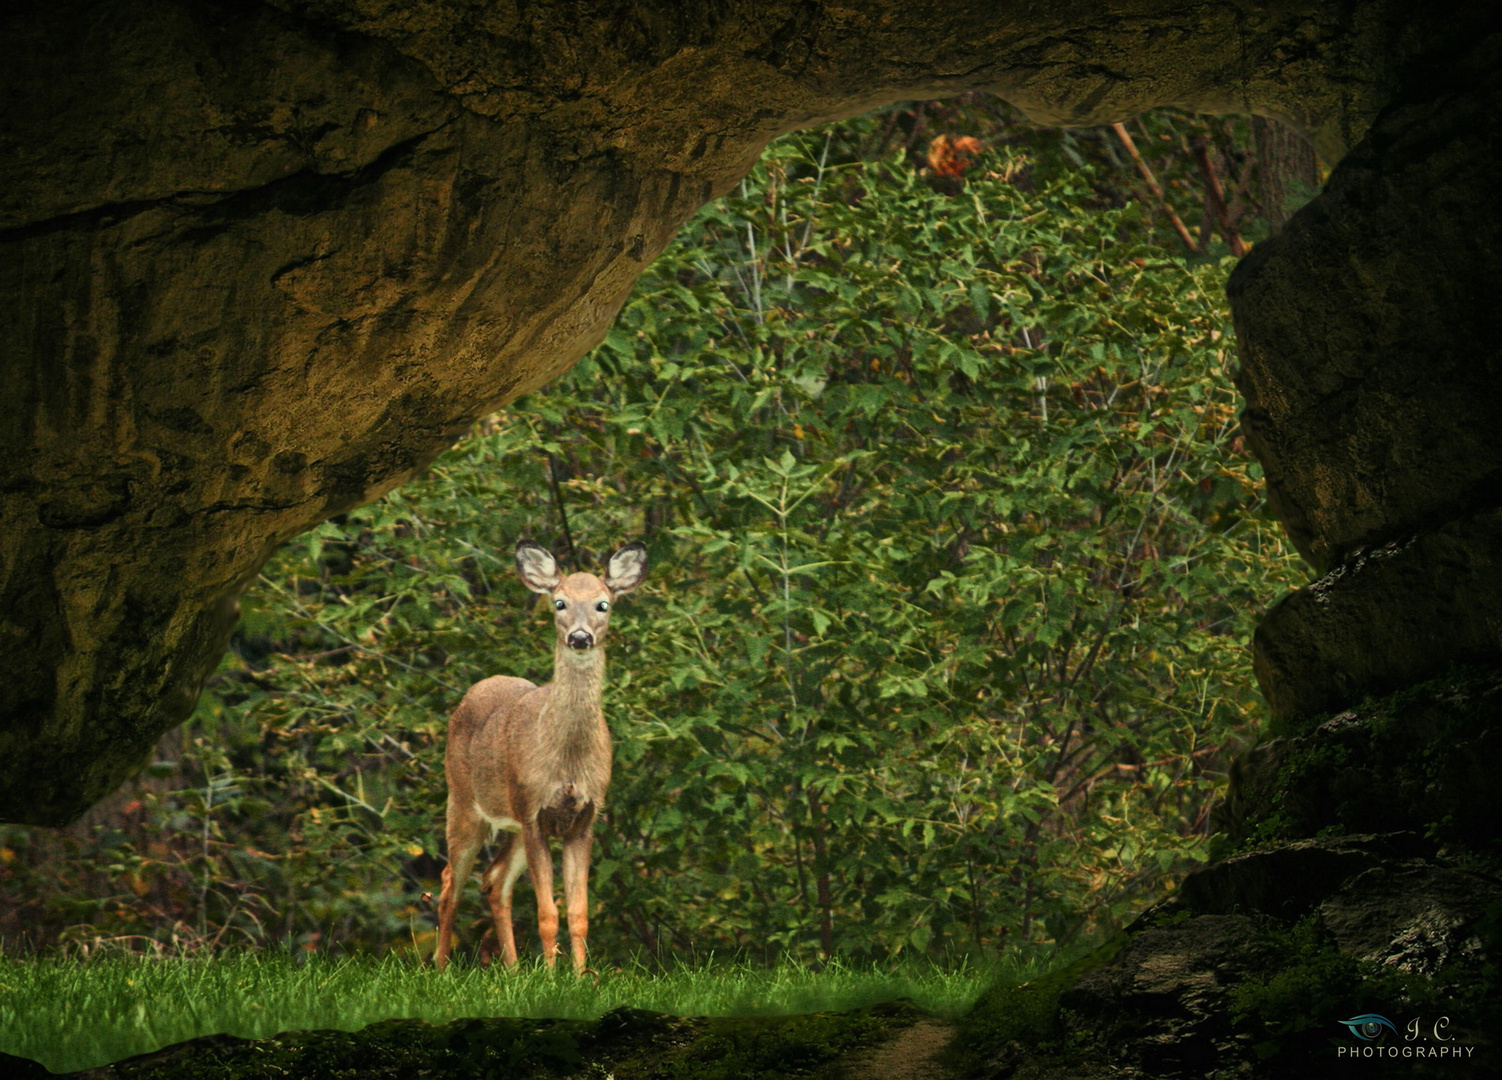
x=577, y=683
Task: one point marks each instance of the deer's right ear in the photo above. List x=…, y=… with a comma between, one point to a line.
x=537, y=568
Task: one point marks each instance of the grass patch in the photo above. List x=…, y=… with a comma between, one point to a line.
x=1024, y=1012
x=72, y=1014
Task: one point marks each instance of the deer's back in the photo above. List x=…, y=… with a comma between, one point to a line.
x=491, y=706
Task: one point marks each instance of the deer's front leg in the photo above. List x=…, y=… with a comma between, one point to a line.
x=540, y=866
x=576, y=894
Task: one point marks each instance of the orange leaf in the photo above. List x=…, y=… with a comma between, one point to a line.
x=952, y=156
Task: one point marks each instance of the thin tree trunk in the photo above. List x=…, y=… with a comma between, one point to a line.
x=821, y=863
x=1153, y=185
x=1215, y=195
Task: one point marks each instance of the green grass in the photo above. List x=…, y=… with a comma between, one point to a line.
x=72, y=1014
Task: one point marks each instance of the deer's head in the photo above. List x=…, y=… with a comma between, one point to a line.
x=581, y=602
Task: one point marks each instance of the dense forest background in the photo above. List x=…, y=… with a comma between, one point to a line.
x=955, y=553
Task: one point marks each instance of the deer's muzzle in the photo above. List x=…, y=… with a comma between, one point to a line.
x=580, y=639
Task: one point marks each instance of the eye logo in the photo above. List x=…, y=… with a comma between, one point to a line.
x=1368, y=1026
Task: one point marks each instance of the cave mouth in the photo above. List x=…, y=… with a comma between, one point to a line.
x=930, y=427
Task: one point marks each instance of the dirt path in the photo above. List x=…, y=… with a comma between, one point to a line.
x=912, y=1055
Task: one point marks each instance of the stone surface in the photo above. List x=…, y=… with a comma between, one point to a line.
x=1162, y=1006
x=263, y=262
x=632, y=1044
x=1414, y=917
x=1230, y=982
x=1371, y=363
x=1289, y=880
x=1369, y=336
x=1385, y=618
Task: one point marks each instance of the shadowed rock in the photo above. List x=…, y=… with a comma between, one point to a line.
x=1371, y=366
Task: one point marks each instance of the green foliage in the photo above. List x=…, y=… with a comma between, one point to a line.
x=1295, y=1013
x=954, y=556
x=1317, y=982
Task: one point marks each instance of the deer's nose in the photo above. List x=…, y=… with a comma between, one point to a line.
x=580, y=639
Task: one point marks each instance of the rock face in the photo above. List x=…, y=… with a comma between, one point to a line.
x=624, y=1042
x=1421, y=763
x=1239, y=988
x=1370, y=361
x=263, y=261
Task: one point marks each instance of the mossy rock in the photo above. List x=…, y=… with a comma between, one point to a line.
x=1419, y=760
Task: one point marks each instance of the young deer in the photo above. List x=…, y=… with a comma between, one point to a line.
x=531, y=762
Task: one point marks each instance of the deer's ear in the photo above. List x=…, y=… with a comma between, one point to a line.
x=536, y=567
x=626, y=568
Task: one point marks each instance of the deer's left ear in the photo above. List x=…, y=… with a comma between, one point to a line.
x=626, y=568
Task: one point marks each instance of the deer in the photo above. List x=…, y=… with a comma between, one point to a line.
x=525, y=763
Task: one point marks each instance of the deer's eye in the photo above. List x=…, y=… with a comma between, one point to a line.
x=603, y=605
x=559, y=605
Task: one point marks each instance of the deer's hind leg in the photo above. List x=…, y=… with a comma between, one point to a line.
x=466, y=833
x=497, y=883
